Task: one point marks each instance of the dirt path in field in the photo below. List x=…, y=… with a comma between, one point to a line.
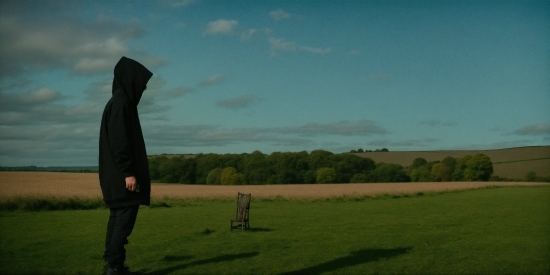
x=14, y=184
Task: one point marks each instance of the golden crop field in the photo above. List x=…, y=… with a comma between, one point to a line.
x=86, y=185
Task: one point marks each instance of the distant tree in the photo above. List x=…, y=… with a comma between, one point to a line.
x=360, y=150
x=479, y=167
x=227, y=174
x=389, y=172
x=347, y=165
x=441, y=172
x=421, y=174
x=189, y=175
x=205, y=163
x=473, y=168
x=178, y=170
x=286, y=167
x=287, y=176
x=531, y=176
x=420, y=170
x=417, y=162
x=449, y=161
x=309, y=176
x=169, y=171
x=255, y=168
x=214, y=176
x=154, y=163
x=319, y=158
x=326, y=175
x=233, y=160
x=230, y=176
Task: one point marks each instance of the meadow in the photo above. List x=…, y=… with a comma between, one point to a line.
x=367, y=230
x=484, y=231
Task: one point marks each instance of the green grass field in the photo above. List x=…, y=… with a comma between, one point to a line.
x=485, y=231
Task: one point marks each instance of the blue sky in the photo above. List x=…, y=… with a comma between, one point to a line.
x=240, y=76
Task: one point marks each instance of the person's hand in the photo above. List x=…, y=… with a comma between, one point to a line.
x=131, y=183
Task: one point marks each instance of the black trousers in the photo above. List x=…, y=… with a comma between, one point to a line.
x=120, y=226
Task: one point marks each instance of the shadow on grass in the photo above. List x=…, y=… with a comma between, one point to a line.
x=218, y=259
x=252, y=229
x=355, y=258
x=169, y=258
x=257, y=229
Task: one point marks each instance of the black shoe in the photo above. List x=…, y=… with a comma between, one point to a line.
x=118, y=271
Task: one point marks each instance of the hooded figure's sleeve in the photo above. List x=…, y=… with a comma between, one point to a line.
x=120, y=140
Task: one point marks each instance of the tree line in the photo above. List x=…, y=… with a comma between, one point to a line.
x=319, y=166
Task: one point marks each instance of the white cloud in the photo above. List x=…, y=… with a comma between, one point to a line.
x=210, y=135
x=38, y=41
x=279, y=14
x=110, y=47
x=89, y=66
x=221, y=26
x=403, y=143
x=59, y=144
x=180, y=3
x=212, y=80
x=39, y=96
x=154, y=102
x=48, y=112
x=45, y=106
x=319, y=51
x=24, y=101
x=99, y=90
x=341, y=128
x=280, y=45
x=532, y=130
x=176, y=92
x=237, y=102
x=154, y=62
x=252, y=33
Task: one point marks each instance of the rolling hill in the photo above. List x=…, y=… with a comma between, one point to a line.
x=512, y=163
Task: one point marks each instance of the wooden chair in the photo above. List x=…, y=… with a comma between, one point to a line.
x=243, y=208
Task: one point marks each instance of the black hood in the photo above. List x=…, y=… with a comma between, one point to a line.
x=131, y=77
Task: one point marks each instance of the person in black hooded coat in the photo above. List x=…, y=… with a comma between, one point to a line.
x=123, y=167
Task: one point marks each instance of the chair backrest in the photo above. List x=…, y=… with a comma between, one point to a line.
x=243, y=205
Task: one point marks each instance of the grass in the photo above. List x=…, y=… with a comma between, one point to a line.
x=486, y=231
x=40, y=203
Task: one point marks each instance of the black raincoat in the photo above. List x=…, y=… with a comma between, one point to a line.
x=121, y=145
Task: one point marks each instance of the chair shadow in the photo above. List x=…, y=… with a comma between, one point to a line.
x=257, y=229
x=355, y=258
x=218, y=259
